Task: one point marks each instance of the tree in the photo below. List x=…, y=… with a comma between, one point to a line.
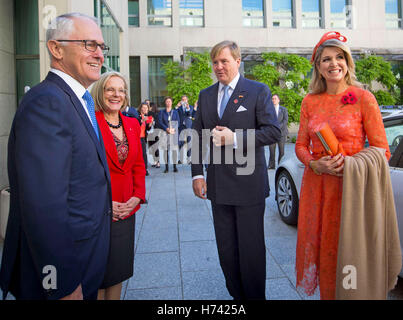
x=374, y=68
x=188, y=80
x=285, y=74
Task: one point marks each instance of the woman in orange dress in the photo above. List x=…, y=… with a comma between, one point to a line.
x=354, y=115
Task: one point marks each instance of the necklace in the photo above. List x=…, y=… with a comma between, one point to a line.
x=115, y=126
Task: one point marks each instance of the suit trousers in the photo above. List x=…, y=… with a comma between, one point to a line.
x=272, y=148
x=241, y=248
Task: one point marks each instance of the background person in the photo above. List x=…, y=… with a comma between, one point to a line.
x=352, y=121
x=185, y=111
x=60, y=208
x=121, y=136
x=168, y=120
x=145, y=125
x=282, y=118
x=238, y=201
x=153, y=112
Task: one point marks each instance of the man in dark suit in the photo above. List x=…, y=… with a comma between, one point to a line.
x=282, y=118
x=185, y=111
x=240, y=116
x=57, y=237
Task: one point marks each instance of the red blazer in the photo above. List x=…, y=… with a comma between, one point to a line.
x=127, y=180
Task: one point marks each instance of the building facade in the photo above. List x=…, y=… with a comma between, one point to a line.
x=144, y=34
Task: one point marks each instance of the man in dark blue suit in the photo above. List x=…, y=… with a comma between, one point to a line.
x=57, y=237
x=240, y=117
x=282, y=118
x=185, y=111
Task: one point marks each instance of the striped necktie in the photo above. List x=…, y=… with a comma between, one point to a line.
x=90, y=107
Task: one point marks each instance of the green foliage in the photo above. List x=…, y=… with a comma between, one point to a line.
x=373, y=68
x=285, y=74
x=399, y=77
x=188, y=80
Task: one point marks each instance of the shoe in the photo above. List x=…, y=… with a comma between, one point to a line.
x=166, y=169
x=158, y=165
x=272, y=168
x=179, y=162
x=146, y=201
x=147, y=173
x=175, y=169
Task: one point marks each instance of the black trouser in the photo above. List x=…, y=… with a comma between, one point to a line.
x=156, y=153
x=241, y=248
x=174, y=156
x=272, y=148
x=144, y=147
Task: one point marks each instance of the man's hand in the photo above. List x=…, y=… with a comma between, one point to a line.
x=200, y=188
x=222, y=136
x=75, y=295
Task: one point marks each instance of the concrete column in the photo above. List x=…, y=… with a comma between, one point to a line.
x=143, y=13
x=8, y=91
x=268, y=13
x=144, y=77
x=298, y=14
x=325, y=14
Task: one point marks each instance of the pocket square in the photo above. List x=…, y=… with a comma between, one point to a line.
x=241, y=108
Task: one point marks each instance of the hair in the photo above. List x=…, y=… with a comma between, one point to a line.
x=168, y=97
x=318, y=83
x=141, y=105
x=63, y=25
x=231, y=45
x=153, y=107
x=97, y=91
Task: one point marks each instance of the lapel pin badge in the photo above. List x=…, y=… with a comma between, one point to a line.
x=236, y=101
x=240, y=97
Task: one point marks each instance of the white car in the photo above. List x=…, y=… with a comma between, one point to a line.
x=289, y=173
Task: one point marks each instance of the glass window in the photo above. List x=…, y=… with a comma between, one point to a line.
x=340, y=14
x=156, y=79
x=135, y=84
x=253, y=13
x=283, y=15
x=191, y=13
x=311, y=14
x=26, y=33
x=159, y=13
x=134, y=13
x=111, y=33
x=393, y=14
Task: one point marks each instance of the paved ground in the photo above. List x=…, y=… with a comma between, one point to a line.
x=176, y=256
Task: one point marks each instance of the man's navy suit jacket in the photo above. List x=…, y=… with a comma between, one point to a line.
x=249, y=107
x=60, y=210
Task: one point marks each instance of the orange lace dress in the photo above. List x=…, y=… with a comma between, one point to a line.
x=320, y=198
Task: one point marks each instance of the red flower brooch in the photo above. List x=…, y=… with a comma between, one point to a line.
x=349, y=98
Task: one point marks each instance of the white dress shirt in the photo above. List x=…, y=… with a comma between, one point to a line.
x=76, y=86
x=277, y=107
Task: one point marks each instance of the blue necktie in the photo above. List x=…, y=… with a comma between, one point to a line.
x=90, y=107
x=224, y=100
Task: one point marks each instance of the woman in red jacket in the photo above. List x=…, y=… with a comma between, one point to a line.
x=121, y=137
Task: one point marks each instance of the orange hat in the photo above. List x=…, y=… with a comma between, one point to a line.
x=327, y=36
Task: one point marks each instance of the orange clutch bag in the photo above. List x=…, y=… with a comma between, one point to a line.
x=329, y=141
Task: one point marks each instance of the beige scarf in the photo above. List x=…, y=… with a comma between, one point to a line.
x=369, y=254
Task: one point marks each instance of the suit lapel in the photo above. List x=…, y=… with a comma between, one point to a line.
x=83, y=115
x=110, y=146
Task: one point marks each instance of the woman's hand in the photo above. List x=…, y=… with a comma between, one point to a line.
x=329, y=165
x=122, y=210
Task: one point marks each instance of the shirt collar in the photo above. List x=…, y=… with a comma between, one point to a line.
x=232, y=84
x=76, y=86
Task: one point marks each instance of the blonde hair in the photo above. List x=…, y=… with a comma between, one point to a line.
x=318, y=83
x=231, y=45
x=97, y=91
